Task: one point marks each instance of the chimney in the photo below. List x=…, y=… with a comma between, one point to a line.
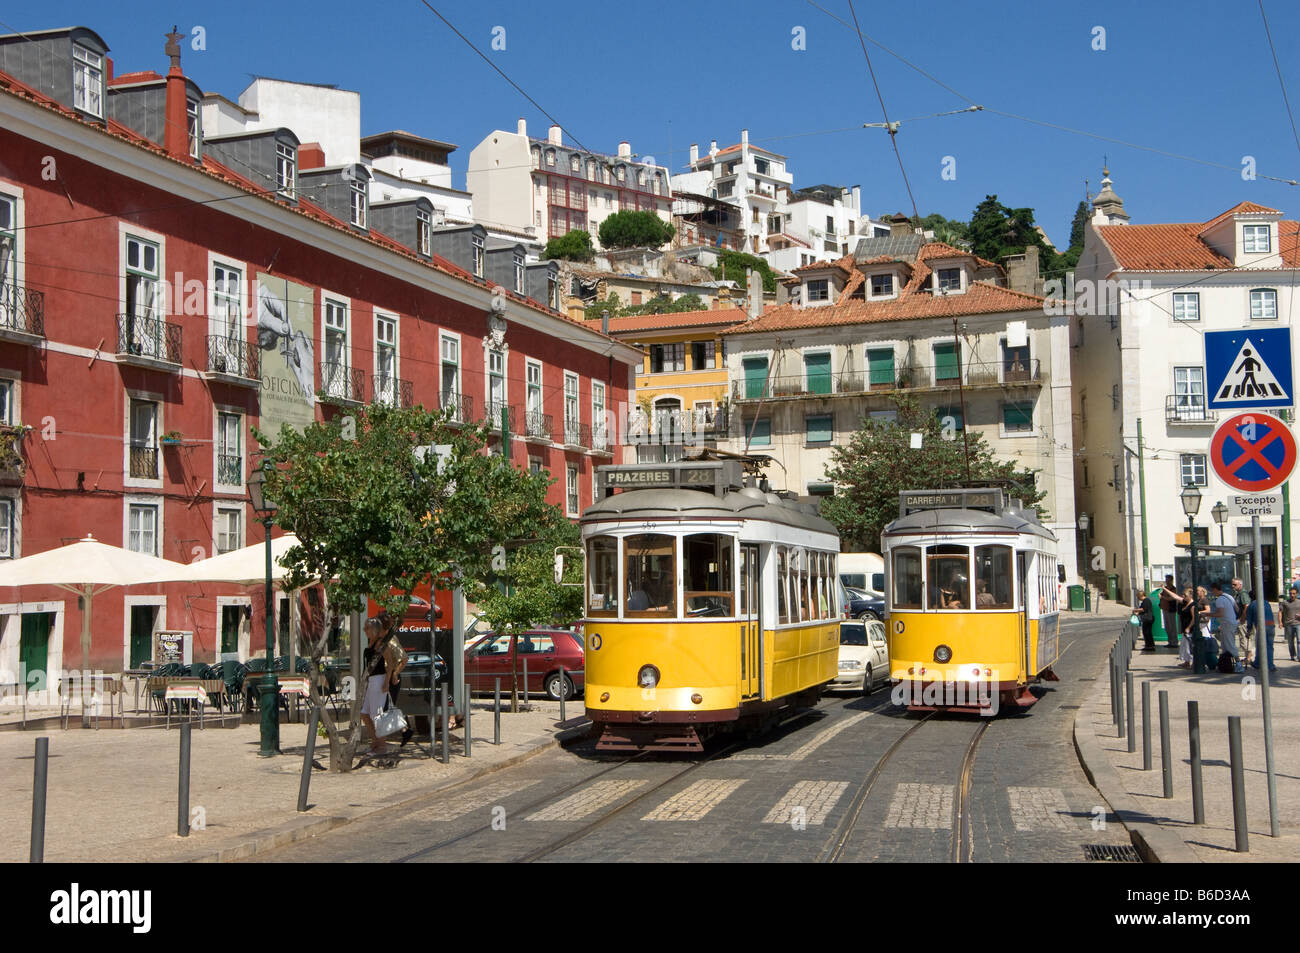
x=695, y=153
x=744, y=137
x=604, y=321
x=713, y=147
x=553, y=136
x=900, y=224
x=311, y=156
x=625, y=150
x=754, y=294
x=176, y=137
x=522, y=127
x=857, y=200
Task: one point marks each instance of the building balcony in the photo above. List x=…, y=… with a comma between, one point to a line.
x=577, y=434
x=461, y=406
x=13, y=462
x=915, y=377
x=22, y=315
x=230, y=469
x=1188, y=409
x=234, y=361
x=392, y=391
x=143, y=463
x=340, y=384
x=148, y=341
x=539, y=425
x=494, y=410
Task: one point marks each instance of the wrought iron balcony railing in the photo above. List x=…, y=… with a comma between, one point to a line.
x=1188, y=409
x=895, y=378
x=493, y=412
x=393, y=391
x=230, y=469
x=144, y=463
x=538, y=424
x=341, y=384
x=460, y=405
x=234, y=357
x=22, y=311
x=148, y=339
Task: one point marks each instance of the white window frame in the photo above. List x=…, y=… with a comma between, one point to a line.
x=125, y=233
x=572, y=501
x=159, y=430
x=388, y=319
x=871, y=288
x=598, y=440
x=452, y=338
x=423, y=232
x=90, y=66
x=14, y=195
x=534, y=459
x=156, y=502
x=1265, y=295
x=493, y=405
x=286, y=170
x=12, y=531
x=233, y=333
x=219, y=412
x=573, y=401
x=358, y=202
x=1200, y=378
x=345, y=304
x=192, y=126
x=520, y=274
x=1184, y=459
x=961, y=281
x=1250, y=239
x=1184, y=298
x=219, y=509
x=9, y=409
x=477, y=254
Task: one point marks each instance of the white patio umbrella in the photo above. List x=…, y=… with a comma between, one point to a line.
x=87, y=568
x=244, y=567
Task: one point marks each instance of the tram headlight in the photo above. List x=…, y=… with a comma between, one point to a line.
x=647, y=676
x=943, y=654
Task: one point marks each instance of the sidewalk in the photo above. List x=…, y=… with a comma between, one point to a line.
x=112, y=793
x=1163, y=829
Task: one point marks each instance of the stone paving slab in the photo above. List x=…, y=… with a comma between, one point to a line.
x=1138, y=795
x=113, y=793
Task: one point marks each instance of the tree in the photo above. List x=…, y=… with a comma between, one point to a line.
x=735, y=265
x=592, y=312
x=628, y=229
x=530, y=597
x=664, y=304
x=372, y=517
x=572, y=246
x=947, y=230
x=878, y=462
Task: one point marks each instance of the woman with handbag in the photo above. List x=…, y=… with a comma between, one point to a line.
x=1186, y=619
x=378, y=679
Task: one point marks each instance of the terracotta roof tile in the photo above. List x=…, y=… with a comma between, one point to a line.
x=1241, y=208
x=1179, y=246
x=682, y=319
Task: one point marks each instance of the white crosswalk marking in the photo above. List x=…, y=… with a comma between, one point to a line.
x=921, y=805
x=813, y=798
x=488, y=795
x=579, y=805
x=811, y=745
x=1035, y=809
x=695, y=801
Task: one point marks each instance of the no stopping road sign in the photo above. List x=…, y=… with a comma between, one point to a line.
x=1253, y=452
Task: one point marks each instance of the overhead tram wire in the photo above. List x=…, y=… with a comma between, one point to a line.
x=1290, y=113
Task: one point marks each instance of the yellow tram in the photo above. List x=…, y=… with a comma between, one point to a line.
x=973, y=614
x=710, y=603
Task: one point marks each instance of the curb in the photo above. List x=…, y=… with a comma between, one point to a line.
x=1156, y=844
x=307, y=826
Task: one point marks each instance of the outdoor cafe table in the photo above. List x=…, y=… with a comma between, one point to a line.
x=186, y=691
x=294, y=686
x=98, y=685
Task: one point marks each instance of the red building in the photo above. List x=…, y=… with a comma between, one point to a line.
x=161, y=294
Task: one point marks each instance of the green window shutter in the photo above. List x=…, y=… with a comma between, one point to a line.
x=819, y=428
x=818, y=369
x=755, y=376
x=762, y=433
x=1017, y=416
x=942, y=413
x=881, y=365
x=945, y=362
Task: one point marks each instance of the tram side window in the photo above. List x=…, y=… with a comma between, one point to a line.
x=602, y=584
x=651, y=575
x=709, y=579
x=823, y=602
x=1046, y=585
x=993, y=577
x=782, y=585
x=801, y=580
x=947, y=576
x=907, y=578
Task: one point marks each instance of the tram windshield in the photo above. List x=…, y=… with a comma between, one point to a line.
x=907, y=577
x=993, y=577
x=709, y=579
x=946, y=571
x=651, y=575
x=602, y=582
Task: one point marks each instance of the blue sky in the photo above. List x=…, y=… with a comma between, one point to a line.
x=1194, y=78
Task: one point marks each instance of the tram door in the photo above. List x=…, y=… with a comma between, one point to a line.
x=1023, y=579
x=751, y=622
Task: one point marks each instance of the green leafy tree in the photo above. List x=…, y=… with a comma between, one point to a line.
x=572, y=246
x=735, y=265
x=948, y=230
x=629, y=229
x=664, y=304
x=1077, y=225
x=527, y=595
x=878, y=462
x=371, y=516
x=592, y=312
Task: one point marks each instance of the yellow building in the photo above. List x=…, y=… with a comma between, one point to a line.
x=681, y=399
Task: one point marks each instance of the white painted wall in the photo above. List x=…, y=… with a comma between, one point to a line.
x=331, y=117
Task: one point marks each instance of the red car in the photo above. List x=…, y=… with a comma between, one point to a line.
x=546, y=650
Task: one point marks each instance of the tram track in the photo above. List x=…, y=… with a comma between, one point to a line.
x=961, y=800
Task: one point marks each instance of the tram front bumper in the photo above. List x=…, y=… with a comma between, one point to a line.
x=621, y=704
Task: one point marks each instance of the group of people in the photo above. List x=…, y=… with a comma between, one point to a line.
x=1228, y=615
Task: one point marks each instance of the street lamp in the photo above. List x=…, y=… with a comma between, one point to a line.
x=1220, y=514
x=1083, y=523
x=270, y=688
x=1191, y=499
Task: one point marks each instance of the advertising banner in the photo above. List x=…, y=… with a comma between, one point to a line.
x=285, y=316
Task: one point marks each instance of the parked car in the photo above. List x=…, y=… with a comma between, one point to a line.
x=859, y=604
x=864, y=656
x=546, y=650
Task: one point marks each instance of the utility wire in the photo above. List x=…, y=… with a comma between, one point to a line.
x=1277, y=66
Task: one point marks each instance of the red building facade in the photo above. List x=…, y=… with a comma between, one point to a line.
x=138, y=346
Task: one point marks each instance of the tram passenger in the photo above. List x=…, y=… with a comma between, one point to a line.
x=983, y=598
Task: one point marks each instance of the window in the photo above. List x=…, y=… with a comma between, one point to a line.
x=496, y=394
x=760, y=432
x=1255, y=239
x=423, y=231
x=818, y=290
x=1189, y=392
x=1263, y=304
x=707, y=575
x=880, y=368
x=386, y=360
x=950, y=418
x=229, y=537
x=286, y=169
x=533, y=397
x=534, y=464
x=142, y=528
x=571, y=417
x=1017, y=416
x=702, y=355
x=1015, y=362
x=9, y=316
x=650, y=575
x=667, y=357
x=817, y=372
x=142, y=272
x=550, y=157
x=227, y=305
x=571, y=489
x=947, y=580
x=602, y=576
x=830, y=224
x=230, y=449
x=782, y=585
x=573, y=163
x=357, y=203
x=636, y=299
x=882, y=286
x=143, y=440
x=755, y=369
x=6, y=402
x=598, y=415
x=450, y=348
x=537, y=157
x=87, y=80
x=476, y=246
x=946, y=367
x=519, y=272
x=907, y=578
x=192, y=125
x=819, y=428
x=6, y=528
x=334, y=370
x=948, y=279
x=1187, y=306
x=1192, y=467
x=993, y=577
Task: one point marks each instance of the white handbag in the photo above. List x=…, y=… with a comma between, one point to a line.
x=389, y=721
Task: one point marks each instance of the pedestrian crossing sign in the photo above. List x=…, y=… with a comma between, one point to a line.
x=1248, y=368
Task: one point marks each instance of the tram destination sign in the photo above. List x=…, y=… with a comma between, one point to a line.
x=911, y=501
x=712, y=476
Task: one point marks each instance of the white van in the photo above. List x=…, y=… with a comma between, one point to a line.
x=865, y=571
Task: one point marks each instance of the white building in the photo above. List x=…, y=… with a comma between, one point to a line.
x=1139, y=358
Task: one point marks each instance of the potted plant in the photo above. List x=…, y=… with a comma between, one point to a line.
x=171, y=438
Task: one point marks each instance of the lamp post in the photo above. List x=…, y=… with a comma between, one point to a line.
x=270, y=687
x=1083, y=523
x=1220, y=514
x=1191, y=499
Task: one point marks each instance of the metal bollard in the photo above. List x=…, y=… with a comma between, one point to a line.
x=1194, y=740
x=1114, y=686
x=305, y=783
x=524, y=706
x=1146, y=726
x=446, y=726
x=467, y=708
x=563, y=693
x=40, y=779
x=1128, y=707
x=496, y=714
x=183, y=792
x=1238, y=784
x=1166, y=750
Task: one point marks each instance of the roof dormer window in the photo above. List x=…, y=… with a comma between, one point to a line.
x=948, y=280
x=573, y=163
x=1256, y=239
x=286, y=168
x=192, y=125
x=476, y=243
x=357, y=203
x=537, y=158
x=550, y=157
x=818, y=289
x=882, y=286
x=87, y=80
x=423, y=231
